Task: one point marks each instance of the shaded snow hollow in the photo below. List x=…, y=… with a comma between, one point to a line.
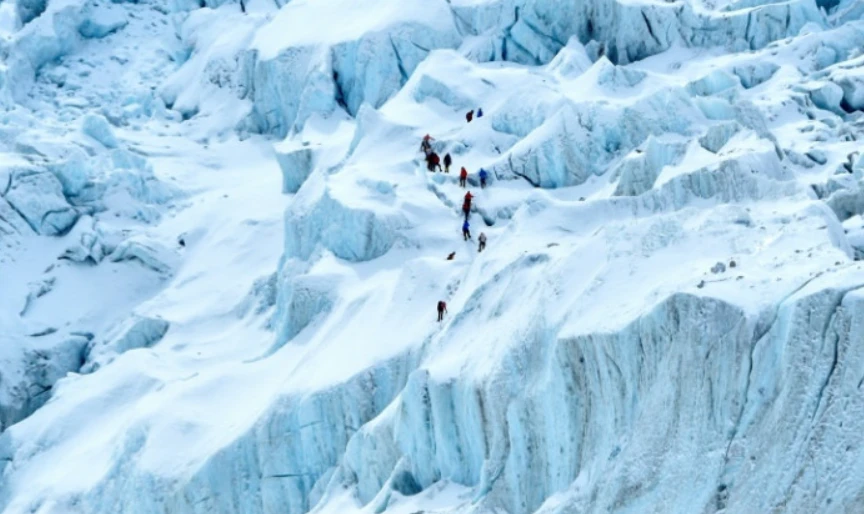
x=220, y=256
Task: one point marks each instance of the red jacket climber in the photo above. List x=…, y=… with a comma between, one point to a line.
x=442, y=308
x=466, y=205
x=463, y=177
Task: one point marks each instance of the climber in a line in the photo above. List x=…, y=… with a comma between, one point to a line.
x=426, y=145
x=470, y=115
x=447, y=162
x=482, y=240
x=483, y=176
x=466, y=230
x=442, y=308
x=466, y=205
x=451, y=256
x=433, y=162
x=463, y=177
x=480, y=112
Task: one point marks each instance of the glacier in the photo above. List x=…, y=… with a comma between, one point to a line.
x=220, y=251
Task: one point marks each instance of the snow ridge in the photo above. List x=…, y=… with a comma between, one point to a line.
x=220, y=250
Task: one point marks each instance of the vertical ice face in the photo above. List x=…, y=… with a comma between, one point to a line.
x=667, y=317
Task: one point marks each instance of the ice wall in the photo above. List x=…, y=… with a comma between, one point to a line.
x=558, y=383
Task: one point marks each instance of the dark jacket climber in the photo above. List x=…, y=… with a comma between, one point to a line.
x=480, y=113
x=426, y=145
x=447, y=162
x=470, y=115
x=442, y=308
x=451, y=256
x=466, y=230
x=463, y=177
x=483, y=176
x=482, y=240
x=433, y=162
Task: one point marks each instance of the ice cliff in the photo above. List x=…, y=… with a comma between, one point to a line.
x=220, y=255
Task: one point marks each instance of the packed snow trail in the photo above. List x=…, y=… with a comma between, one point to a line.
x=603, y=354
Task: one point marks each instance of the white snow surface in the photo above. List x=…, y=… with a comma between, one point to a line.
x=220, y=256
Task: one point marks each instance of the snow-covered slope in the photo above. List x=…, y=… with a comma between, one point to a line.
x=220, y=256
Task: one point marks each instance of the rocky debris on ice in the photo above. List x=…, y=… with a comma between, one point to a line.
x=135, y=332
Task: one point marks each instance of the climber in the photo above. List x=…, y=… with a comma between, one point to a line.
x=463, y=177
x=466, y=230
x=466, y=205
x=483, y=176
x=480, y=112
x=433, y=161
x=442, y=308
x=451, y=256
x=482, y=240
x=447, y=162
x=426, y=145
x=470, y=115
x=436, y=162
